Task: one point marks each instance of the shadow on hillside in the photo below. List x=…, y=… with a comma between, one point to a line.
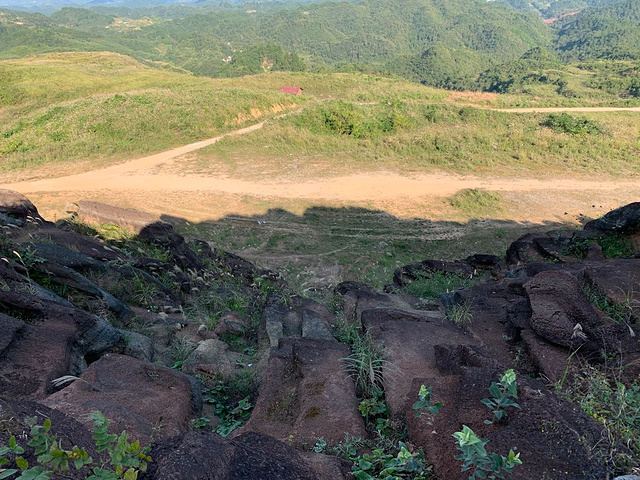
x=327, y=245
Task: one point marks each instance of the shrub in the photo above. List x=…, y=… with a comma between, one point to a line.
x=565, y=123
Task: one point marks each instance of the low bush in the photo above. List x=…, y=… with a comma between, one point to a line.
x=565, y=123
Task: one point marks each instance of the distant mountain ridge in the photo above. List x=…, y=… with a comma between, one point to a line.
x=449, y=44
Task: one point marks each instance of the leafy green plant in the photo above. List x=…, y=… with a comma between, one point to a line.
x=384, y=466
x=375, y=410
x=231, y=416
x=476, y=458
x=424, y=404
x=502, y=393
x=125, y=459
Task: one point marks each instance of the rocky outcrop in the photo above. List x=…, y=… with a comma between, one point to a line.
x=139, y=397
x=624, y=219
x=408, y=342
x=307, y=394
x=251, y=456
x=553, y=439
x=49, y=341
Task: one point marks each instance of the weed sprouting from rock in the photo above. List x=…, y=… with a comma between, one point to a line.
x=503, y=394
x=476, y=458
x=367, y=364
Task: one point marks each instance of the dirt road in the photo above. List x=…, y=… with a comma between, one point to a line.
x=141, y=178
x=567, y=109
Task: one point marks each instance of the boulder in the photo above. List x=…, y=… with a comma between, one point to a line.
x=554, y=439
x=139, y=397
x=561, y=312
x=408, y=341
x=49, y=342
x=209, y=357
x=618, y=279
x=357, y=300
x=624, y=219
x=136, y=345
x=251, y=456
x=16, y=205
x=307, y=394
x=231, y=323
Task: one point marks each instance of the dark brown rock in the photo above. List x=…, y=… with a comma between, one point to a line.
x=137, y=396
x=53, y=341
x=623, y=219
x=561, y=312
x=252, y=456
x=307, y=394
x=554, y=439
x=409, y=342
x=15, y=204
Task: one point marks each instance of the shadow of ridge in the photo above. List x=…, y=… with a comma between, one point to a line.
x=327, y=245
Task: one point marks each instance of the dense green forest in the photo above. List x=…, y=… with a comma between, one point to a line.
x=459, y=44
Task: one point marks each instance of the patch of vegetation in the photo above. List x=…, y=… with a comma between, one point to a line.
x=481, y=463
x=461, y=315
x=232, y=400
x=367, y=364
x=430, y=285
x=504, y=394
x=613, y=246
x=125, y=459
x=618, y=312
x=477, y=202
x=613, y=404
x=360, y=122
x=565, y=123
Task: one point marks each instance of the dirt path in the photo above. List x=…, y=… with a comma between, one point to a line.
x=567, y=109
x=141, y=177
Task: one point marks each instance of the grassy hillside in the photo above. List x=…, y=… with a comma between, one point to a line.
x=99, y=108
x=103, y=106
x=339, y=138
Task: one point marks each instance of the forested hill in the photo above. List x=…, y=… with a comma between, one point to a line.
x=446, y=43
x=610, y=32
x=467, y=35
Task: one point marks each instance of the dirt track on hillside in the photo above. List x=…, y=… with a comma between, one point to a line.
x=141, y=178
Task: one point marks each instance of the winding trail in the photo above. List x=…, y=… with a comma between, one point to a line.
x=141, y=175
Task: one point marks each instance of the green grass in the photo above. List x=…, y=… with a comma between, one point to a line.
x=615, y=406
x=477, y=202
x=327, y=245
x=429, y=137
x=430, y=285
